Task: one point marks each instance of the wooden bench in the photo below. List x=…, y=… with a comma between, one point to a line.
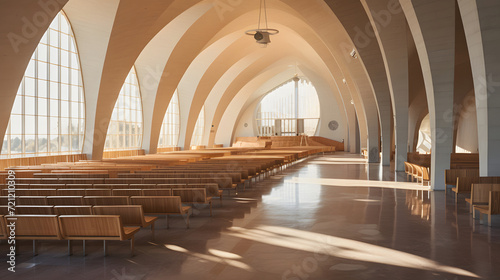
x=162, y=205
x=194, y=196
x=106, y=200
x=450, y=176
x=65, y=200
x=127, y=192
x=3, y=228
x=132, y=215
x=73, y=210
x=35, y=210
x=36, y=227
x=464, y=184
x=493, y=207
x=32, y=200
x=480, y=195
x=96, y=227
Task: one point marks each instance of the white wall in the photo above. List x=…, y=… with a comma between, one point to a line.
x=329, y=110
x=467, y=126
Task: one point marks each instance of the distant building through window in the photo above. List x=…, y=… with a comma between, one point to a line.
x=125, y=127
x=48, y=116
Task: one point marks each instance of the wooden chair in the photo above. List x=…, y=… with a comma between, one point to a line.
x=106, y=200
x=35, y=210
x=132, y=215
x=194, y=196
x=65, y=200
x=73, y=210
x=96, y=227
x=36, y=227
x=493, y=207
x=111, y=186
x=162, y=205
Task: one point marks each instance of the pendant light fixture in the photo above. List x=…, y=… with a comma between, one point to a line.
x=261, y=35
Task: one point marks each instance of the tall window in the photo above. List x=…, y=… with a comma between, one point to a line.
x=169, y=135
x=287, y=108
x=48, y=116
x=125, y=127
x=199, y=129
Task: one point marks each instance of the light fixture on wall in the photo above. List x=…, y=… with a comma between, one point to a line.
x=354, y=54
x=262, y=35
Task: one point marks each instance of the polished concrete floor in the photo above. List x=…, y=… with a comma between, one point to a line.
x=328, y=217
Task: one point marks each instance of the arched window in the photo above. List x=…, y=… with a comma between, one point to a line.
x=125, y=127
x=289, y=110
x=48, y=116
x=169, y=135
x=199, y=129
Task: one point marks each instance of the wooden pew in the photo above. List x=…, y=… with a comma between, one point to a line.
x=127, y=192
x=96, y=227
x=73, y=210
x=106, y=200
x=65, y=200
x=194, y=196
x=480, y=195
x=3, y=228
x=32, y=200
x=464, y=184
x=37, y=227
x=450, y=175
x=162, y=205
x=493, y=207
x=132, y=215
x=35, y=210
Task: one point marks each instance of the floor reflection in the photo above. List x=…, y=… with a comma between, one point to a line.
x=419, y=203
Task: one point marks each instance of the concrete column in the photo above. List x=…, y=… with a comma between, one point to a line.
x=389, y=24
x=482, y=26
x=432, y=24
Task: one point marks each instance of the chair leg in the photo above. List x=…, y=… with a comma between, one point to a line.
x=132, y=241
x=187, y=220
x=35, y=252
x=153, y=230
x=70, y=248
x=168, y=224
x=489, y=220
x=210, y=203
x=105, y=248
x=84, y=248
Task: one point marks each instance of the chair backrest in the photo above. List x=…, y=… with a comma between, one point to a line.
x=157, y=192
x=158, y=204
x=3, y=228
x=32, y=200
x=78, y=186
x=35, y=227
x=131, y=215
x=35, y=210
x=98, y=192
x=191, y=195
x=111, y=186
x=127, y=192
x=4, y=210
x=91, y=227
x=494, y=202
x=73, y=210
x=106, y=200
x=42, y=192
x=71, y=192
x=142, y=186
x=480, y=193
x=65, y=200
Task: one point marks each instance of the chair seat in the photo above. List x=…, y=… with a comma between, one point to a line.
x=130, y=231
x=150, y=219
x=454, y=189
x=185, y=209
x=482, y=208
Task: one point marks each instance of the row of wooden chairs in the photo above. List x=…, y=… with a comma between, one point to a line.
x=418, y=172
x=69, y=227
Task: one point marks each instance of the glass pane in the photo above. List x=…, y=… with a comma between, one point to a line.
x=29, y=105
x=29, y=125
x=29, y=86
x=54, y=126
x=42, y=125
x=54, y=108
x=42, y=106
x=42, y=143
x=16, y=124
x=42, y=88
x=16, y=145
x=42, y=52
